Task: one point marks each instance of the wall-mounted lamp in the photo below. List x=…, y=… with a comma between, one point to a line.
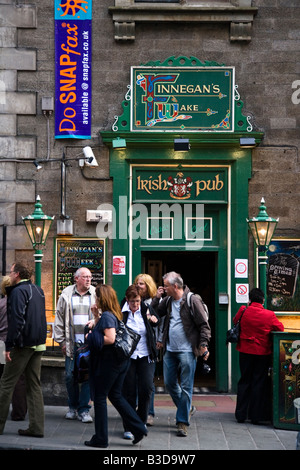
x=262, y=228
x=119, y=143
x=38, y=225
x=247, y=142
x=37, y=165
x=182, y=145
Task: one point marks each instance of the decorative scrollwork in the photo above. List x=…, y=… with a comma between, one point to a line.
x=250, y=127
x=128, y=94
x=114, y=126
x=236, y=93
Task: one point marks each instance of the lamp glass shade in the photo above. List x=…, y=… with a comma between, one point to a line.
x=262, y=227
x=262, y=231
x=38, y=225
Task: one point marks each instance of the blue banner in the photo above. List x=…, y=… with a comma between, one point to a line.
x=73, y=72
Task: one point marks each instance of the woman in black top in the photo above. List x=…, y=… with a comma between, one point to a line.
x=107, y=372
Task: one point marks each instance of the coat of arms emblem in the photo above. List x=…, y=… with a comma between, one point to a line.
x=180, y=187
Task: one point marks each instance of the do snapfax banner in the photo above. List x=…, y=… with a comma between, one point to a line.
x=73, y=73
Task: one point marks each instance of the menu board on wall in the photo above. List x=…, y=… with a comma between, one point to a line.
x=283, y=287
x=74, y=253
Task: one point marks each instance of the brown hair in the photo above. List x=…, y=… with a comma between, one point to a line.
x=133, y=291
x=24, y=271
x=107, y=300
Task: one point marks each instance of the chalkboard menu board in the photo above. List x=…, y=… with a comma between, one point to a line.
x=283, y=289
x=74, y=253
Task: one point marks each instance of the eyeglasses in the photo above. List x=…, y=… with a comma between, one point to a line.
x=86, y=277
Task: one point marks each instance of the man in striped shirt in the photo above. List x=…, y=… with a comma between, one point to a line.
x=73, y=312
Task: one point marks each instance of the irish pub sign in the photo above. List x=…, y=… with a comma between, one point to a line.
x=182, y=99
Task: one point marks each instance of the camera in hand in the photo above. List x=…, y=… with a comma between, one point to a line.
x=204, y=367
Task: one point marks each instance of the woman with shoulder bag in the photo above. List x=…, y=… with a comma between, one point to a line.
x=255, y=352
x=108, y=372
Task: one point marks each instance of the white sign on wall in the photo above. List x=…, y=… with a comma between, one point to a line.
x=241, y=268
x=242, y=293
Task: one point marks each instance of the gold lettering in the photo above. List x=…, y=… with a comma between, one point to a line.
x=219, y=183
x=209, y=185
x=159, y=184
x=200, y=186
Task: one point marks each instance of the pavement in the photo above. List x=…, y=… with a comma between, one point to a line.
x=213, y=427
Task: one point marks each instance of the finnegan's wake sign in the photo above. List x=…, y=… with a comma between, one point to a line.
x=182, y=99
x=73, y=73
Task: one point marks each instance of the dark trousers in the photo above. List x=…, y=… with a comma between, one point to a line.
x=18, y=401
x=138, y=386
x=253, y=394
x=109, y=383
x=27, y=361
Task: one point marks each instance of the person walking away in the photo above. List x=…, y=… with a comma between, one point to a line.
x=18, y=401
x=186, y=336
x=108, y=372
x=255, y=353
x=138, y=383
x=24, y=345
x=73, y=313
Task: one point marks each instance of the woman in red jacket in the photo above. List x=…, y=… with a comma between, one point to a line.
x=255, y=348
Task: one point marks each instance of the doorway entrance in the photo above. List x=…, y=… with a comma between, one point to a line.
x=198, y=271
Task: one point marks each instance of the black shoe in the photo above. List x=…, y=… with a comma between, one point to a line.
x=240, y=420
x=93, y=444
x=138, y=438
x=26, y=432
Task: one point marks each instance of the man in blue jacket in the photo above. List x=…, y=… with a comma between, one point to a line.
x=24, y=346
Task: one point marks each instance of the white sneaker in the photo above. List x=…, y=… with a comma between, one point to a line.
x=71, y=414
x=128, y=435
x=85, y=417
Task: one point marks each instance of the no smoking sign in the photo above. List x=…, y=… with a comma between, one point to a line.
x=242, y=293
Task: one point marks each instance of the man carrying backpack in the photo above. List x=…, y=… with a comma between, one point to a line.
x=186, y=336
x=73, y=312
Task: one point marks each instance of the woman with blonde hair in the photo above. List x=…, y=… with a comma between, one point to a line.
x=107, y=371
x=147, y=287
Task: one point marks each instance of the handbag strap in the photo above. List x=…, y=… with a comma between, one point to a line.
x=242, y=315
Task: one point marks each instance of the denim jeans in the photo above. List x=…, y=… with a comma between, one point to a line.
x=181, y=393
x=78, y=394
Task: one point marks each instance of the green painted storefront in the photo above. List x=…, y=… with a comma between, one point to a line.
x=185, y=210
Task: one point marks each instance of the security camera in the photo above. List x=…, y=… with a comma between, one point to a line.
x=89, y=156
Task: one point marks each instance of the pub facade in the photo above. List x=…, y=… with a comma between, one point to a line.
x=191, y=111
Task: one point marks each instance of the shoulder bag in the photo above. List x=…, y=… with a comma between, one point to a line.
x=233, y=334
x=126, y=341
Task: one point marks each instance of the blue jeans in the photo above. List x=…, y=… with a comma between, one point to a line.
x=183, y=363
x=78, y=394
